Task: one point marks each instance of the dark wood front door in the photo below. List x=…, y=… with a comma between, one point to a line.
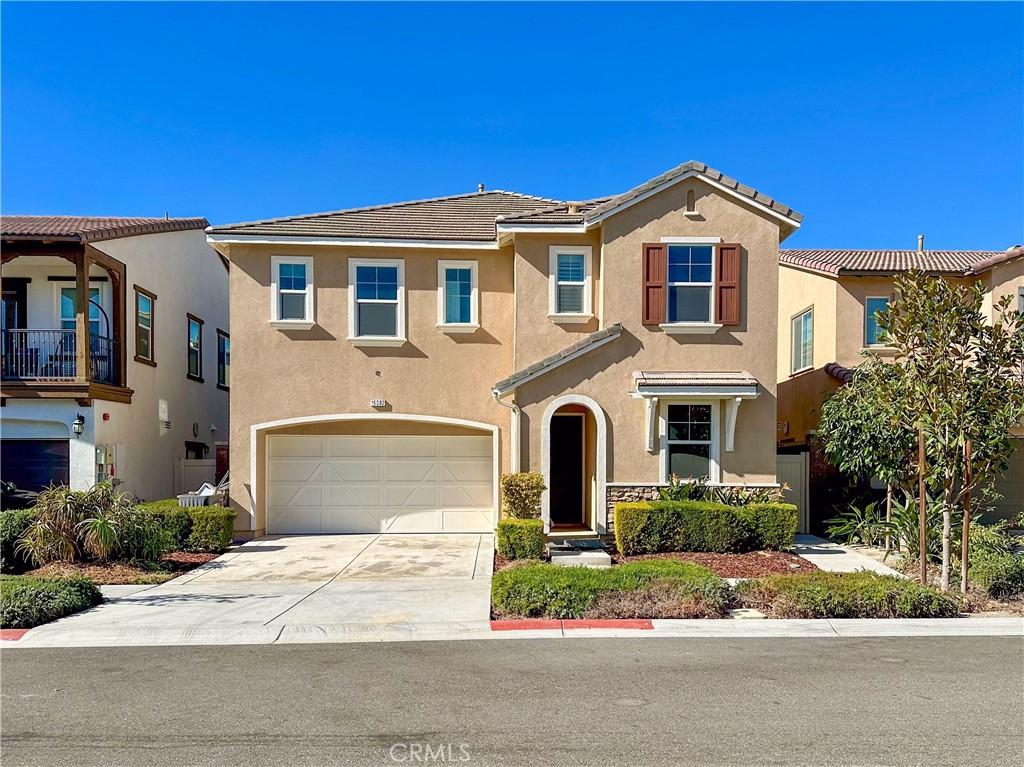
x=568, y=470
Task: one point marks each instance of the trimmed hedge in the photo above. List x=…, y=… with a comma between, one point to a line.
x=551, y=591
x=521, y=538
x=846, y=595
x=13, y=525
x=1001, y=575
x=650, y=527
x=26, y=601
x=194, y=528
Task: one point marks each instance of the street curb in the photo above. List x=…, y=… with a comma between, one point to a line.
x=12, y=635
x=543, y=624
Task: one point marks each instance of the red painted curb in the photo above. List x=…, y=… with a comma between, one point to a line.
x=13, y=635
x=526, y=624
x=620, y=623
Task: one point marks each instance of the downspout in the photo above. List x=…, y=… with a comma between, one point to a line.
x=513, y=461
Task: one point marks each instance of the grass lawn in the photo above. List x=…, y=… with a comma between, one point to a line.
x=119, y=573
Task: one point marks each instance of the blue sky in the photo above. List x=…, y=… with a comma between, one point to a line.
x=875, y=121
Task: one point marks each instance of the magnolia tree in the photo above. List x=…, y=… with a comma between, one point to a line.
x=956, y=376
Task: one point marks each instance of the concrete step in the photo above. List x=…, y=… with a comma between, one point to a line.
x=593, y=558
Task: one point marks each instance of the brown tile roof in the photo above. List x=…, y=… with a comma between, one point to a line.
x=581, y=347
x=90, y=228
x=693, y=378
x=458, y=217
x=839, y=372
x=835, y=262
x=1017, y=251
x=556, y=214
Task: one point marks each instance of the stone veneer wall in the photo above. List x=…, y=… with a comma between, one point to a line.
x=626, y=494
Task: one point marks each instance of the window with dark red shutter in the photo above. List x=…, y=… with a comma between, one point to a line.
x=727, y=285
x=655, y=268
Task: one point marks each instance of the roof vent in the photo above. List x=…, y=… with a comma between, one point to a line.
x=574, y=207
x=920, y=243
x=479, y=187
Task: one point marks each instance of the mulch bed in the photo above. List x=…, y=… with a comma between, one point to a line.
x=122, y=573
x=751, y=564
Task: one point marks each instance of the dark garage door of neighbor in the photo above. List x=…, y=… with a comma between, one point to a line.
x=32, y=464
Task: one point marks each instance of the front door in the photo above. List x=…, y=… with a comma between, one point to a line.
x=568, y=472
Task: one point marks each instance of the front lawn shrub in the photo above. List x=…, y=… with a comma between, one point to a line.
x=13, y=525
x=172, y=517
x=26, y=601
x=846, y=595
x=521, y=538
x=521, y=494
x=141, y=536
x=655, y=526
x=1000, y=574
x=213, y=528
x=551, y=591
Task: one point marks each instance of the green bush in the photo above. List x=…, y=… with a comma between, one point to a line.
x=141, y=536
x=846, y=595
x=551, y=591
x=1000, y=574
x=521, y=538
x=13, y=525
x=26, y=601
x=521, y=494
x=172, y=517
x=213, y=528
x=653, y=526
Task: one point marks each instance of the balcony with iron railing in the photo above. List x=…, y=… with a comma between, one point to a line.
x=51, y=356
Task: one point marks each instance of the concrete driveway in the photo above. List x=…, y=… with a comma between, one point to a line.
x=296, y=588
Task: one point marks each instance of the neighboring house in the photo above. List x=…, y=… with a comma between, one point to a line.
x=827, y=319
x=394, y=359
x=115, y=351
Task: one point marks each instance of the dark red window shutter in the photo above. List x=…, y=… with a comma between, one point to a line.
x=655, y=265
x=727, y=285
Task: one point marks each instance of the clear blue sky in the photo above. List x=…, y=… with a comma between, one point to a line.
x=875, y=121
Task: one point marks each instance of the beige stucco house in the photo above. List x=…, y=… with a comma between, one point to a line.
x=115, y=353
x=827, y=305
x=394, y=360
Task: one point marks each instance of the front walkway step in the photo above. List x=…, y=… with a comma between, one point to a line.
x=833, y=558
x=593, y=558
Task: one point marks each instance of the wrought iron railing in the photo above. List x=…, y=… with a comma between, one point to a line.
x=50, y=355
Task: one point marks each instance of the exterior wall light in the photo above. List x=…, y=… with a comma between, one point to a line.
x=78, y=425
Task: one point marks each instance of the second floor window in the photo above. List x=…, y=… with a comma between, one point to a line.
x=292, y=289
x=376, y=300
x=570, y=283
x=145, y=303
x=802, y=340
x=69, y=310
x=689, y=283
x=457, y=294
x=223, y=359
x=873, y=335
x=195, y=348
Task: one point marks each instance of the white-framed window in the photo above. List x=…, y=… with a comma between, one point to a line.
x=690, y=440
x=570, y=283
x=291, y=284
x=68, y=310
x=802, y=341
x=458, y=300
x=690, y=284
x=872, y=331
x=376, y=301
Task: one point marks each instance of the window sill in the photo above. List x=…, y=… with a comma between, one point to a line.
x=881, y=351
x=144, y=361
x=222, y=387
x=795, y=373
x=292, y=324
x=452, y=327
x=376, y=341
x=690, y=328
x=197, y=379
x=570, y=319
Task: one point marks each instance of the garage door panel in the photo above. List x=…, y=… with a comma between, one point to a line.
x=367, y=483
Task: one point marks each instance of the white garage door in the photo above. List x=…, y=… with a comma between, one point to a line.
x=370, y=484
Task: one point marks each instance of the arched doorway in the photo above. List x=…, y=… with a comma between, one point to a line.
x=574, y=458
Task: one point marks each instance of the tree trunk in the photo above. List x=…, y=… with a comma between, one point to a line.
x=947, y=537
x=888, y=518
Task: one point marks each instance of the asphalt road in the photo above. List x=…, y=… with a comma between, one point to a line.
x=934, y=701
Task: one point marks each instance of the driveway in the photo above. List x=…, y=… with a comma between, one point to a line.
x=301, y=588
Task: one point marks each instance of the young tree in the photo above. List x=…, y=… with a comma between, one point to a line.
x=956, y=375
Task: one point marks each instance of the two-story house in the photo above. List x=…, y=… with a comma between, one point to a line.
x=394, y=359
x=115, y=351
x=828, y=305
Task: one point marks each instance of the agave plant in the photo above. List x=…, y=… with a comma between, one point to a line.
x=685, y=489
x=98, y=534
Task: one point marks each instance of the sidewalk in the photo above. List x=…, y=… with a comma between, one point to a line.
x=831, y=557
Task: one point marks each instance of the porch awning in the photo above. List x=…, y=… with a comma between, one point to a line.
x=730, y=387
